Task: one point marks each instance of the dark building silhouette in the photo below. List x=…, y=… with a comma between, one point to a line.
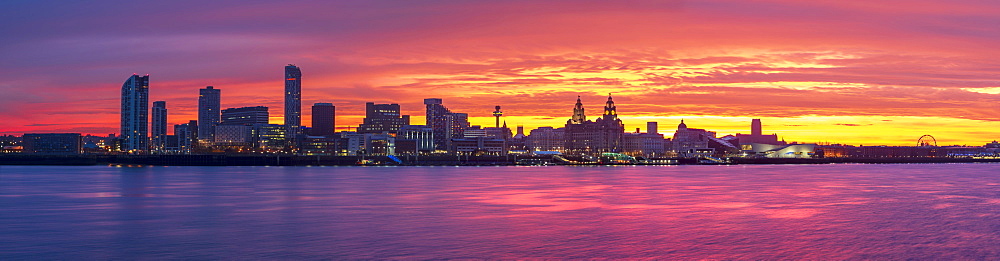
x=381, y=118
x=209, y=114
x=159, y=125
x=135, y=114
x=756, y=136
x=187, y=136
x=323, y=119
x=52, y=143
x=245, y=116
x=293, y=100
x=446, y=125
x=594, y=137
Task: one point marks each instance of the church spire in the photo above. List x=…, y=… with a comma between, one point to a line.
x=578, y=115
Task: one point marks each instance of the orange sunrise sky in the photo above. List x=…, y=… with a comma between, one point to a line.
x=849, y=72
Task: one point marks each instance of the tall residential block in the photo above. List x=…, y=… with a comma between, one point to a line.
x=159, y=125
x=446, y=124
x=209, y=103
x=135, y=114
x=323, y=119
x=293, y=100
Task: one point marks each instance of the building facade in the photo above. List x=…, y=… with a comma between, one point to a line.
x=187, y=136
x=593, y=137
x=135, y=114
x=293, y=100
x=52, y=143
x=380, y=118
x=244, y=116
x=159, y=126
x=323, y=119
x=209, y=114
x=446, y=124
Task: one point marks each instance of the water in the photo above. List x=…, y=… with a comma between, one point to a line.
x=919, y=211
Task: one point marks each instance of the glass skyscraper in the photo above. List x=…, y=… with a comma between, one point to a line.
x=209, y=103
x=293, y=100
x=135, y=114
x=159, y=125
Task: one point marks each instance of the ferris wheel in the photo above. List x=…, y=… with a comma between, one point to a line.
x=927, y=141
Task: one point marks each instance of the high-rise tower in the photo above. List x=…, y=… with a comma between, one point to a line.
x=159, y=125
x=209, y=115
x=323, y=119
x=293, y=101
x=445, y=124
x=135, y=114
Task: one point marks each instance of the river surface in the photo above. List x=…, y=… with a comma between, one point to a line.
x=843, y=211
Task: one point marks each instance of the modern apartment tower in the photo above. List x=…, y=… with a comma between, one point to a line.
x=446, y=124
x=135, y=114
x=323, y=119
x=293, y=100
x=209, y=115
x=159, y=125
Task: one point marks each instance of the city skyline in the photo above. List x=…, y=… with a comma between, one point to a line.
x=849, y=73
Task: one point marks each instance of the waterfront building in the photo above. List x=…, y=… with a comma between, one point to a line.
x=546, y=139
x=649, y=144
x=209, y=114
x=233, y=137
x=413, y=139
x=269, y=137
x=319, y=146
x=52, y=143
x=382, y=118
x=594, y=137
x=245, y=116
x=756, y=136
x=159, y=125
x=691, y=142
x=135, y=114
x=323, y=119
x=187, y=136
x=446, y=124
x=477, y=142
x=293, y=101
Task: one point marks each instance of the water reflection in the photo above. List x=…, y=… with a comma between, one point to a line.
x=671, y=212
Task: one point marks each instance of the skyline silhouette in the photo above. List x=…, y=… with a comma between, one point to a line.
x=851, y=73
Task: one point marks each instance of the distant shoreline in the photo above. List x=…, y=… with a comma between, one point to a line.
x=288, y=160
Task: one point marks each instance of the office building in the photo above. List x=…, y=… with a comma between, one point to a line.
x=293, y=100
x=323, y=119
x=380, y=118
x=52, y=143
x=413, y=139
x=594, y=137
x=209, y=115
x=135, y=114
x=159, y=125
x=244, y=116
x=546, y=139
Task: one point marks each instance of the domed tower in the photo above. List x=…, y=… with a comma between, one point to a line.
x=682, y=126
x=578, y=116
x=610, y=110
